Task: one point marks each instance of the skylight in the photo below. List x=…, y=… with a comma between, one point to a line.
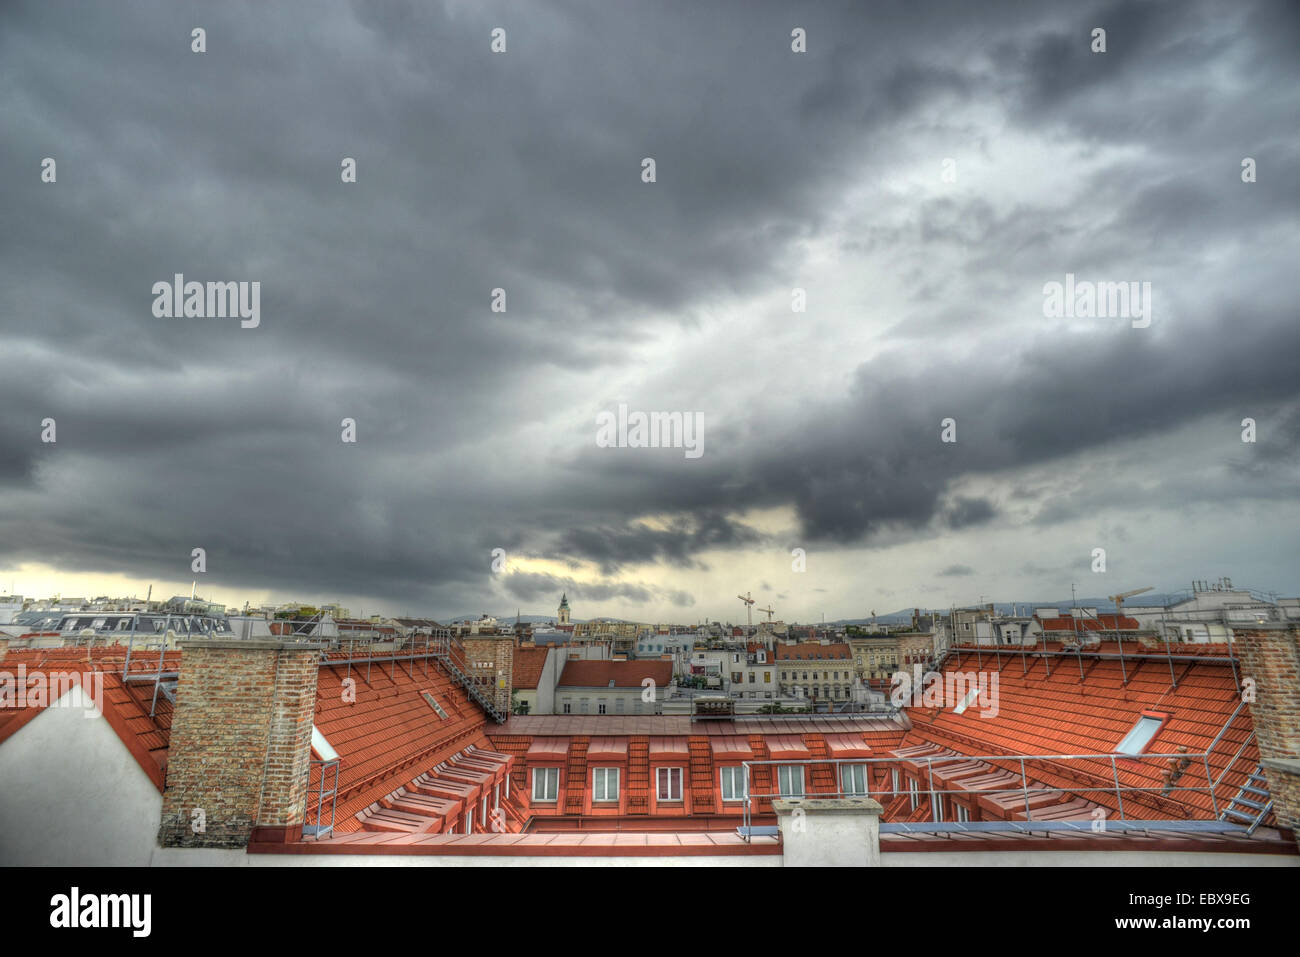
x=1135, y=741
x=433, y=703
x=321, y=746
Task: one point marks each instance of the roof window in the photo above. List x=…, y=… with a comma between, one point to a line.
x=321, y=746
x=433, y=703
x=1139, y=738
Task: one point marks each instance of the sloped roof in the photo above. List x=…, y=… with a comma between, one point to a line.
x=528, y=666
x=125, y=703
x=623, y=674
x=1045, y=706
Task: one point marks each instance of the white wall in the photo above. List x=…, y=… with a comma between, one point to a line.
x=72, y=794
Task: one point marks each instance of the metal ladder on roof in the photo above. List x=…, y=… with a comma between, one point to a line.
x=1251, y=804
x=451, y=655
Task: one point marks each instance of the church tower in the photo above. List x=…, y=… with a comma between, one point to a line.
x=562, y=615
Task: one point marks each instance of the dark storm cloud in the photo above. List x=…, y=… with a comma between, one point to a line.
x=680, y=545
x=535, y=587
x=956, y=571
x=522, y=171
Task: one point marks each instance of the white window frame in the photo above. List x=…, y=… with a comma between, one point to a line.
x=735, y=776
x=600, y=781
x=549, y=778
x=963, y=815
x=854, y=787
x=785, y=780
x=914, y=789
x=663, y=774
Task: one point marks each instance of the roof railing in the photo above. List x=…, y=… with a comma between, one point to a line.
x=1139, y=795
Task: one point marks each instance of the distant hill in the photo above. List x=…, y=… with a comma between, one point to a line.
x=900, y=617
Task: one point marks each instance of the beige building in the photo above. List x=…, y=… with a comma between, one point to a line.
x=877, y=657
x=815, y=670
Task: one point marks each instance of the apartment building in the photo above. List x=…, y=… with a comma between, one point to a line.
x=612, y=687
x=816, y=670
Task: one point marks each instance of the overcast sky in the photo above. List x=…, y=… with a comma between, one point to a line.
x=775, y=170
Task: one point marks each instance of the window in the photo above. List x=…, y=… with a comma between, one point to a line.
x=967, y=701
x=1137, y=740
x=604, y=784
x=789, y=779
x=321, y=746
x=853, y=779
x=912, y=790
x=669, y=782
x=752, y=677
x=894, y=774
x=546, y=784
x=568, y=708
x=433, y=703
x=620, y=705
x=963, y=815
x=733, y=784
x=767, y=677
x=601, y=707
x=469, y=822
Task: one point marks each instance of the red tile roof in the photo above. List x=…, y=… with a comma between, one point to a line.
x=1106, y=623
x=527, y=669
x=1066, y=713
x=615, y=674
x=126, y=705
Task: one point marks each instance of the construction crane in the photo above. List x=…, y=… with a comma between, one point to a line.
x=749, y=605
x=1119, y=605
x=770, y=613
x=1119, y=599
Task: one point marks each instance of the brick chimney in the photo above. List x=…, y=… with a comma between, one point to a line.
x=496, y=652
x=1270, y=659
x=240, y=748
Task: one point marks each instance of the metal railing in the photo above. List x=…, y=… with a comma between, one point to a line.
x=326, y=795
x=1027, y=790
x=444, y=648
